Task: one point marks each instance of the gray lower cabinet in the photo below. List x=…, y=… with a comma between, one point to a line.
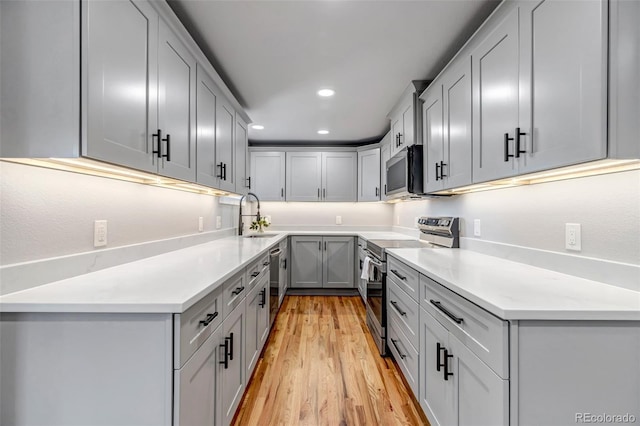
x=322, y=262
x=257, y=312
x=284, y=270
x=232, y=367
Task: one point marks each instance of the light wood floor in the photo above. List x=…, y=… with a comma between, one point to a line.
x=321, y=367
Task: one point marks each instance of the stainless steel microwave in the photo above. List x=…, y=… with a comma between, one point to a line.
x=404, y=173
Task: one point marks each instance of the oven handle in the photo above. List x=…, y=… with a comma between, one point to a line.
x=373, y=258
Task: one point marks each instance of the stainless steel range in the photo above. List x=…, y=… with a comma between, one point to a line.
x=436, y=232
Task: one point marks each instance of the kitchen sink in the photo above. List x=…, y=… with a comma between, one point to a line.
x=260, y=236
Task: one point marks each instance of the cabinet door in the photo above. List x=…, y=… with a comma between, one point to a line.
x=267, y=175
x=176, y=106
x=306, y=262
x=304, y=176
x=396, y=133
x=408, y=135
x=338, y=264
x=369, y=175
x=385, y=155
x=482, y=397
x=240, y=164
x=196, y=388
x=207, y=96
x=339, y=176
x=251, y=339
x=495, y=99
x=433, y=138
x=436, y=394
x=456, y=90
x=121, y=83
x=232, y=376
x=225, y=115
x=564, y=64
x=263, y=313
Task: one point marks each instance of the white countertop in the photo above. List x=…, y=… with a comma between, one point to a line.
x=168, y=283
x=515, y=291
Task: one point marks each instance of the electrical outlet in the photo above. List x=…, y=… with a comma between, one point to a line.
x=476, y=228
x=100, y=233
x=218, y=222
x=573, y=237
x=200, y=224
x=338, y=220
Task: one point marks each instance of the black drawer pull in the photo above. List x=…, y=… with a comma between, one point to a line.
x=248, y=182
x=231, y=346
x=437, y=171
x=237, y=291
x=397, y=274
x=210, y=317
x=403, y=356
x=506, y=147
x=519, y=151
x=400, y=311
x=221, y=175
x=446, y=373
x=255, y=274
x=263, y=295
x=442, y=309
x=442, y=175
x=167, y=155
x=159, y=136
x=439, y=363
x=226, y=353
x=265, y=264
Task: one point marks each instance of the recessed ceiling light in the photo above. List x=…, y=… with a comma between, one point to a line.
x=323, y=132
x=325, y=93
x=257, y=126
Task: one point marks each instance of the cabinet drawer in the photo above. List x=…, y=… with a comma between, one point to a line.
x=233, y=292
x=255, y=269
x=483, y=333
x=405, y=355
x=404, y=310
x=405, y=276
x=195, y=325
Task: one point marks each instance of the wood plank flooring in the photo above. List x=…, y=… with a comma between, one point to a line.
x=321, y=367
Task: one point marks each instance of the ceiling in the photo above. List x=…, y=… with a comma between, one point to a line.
x=275, y=56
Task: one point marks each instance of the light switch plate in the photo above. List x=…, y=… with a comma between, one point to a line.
x=100, y=233
x=573, y=237
x=476, y=228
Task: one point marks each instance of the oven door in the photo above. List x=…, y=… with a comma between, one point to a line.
x=376, y=306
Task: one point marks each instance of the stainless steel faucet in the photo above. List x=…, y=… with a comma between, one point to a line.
x=240, y=215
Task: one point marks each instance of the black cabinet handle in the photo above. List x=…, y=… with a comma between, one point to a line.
x=385, y=189
x=159, y=137
x=168, y=141
x=221, y=175
x=377, y=191
x=255, y=274
x=437, y=172
x=319, y=245
x=324, y=193
x=249, y=182
x=446, y=373
x=237, y=291
x=265, y=264
x=400, y=311
x=263, y=295
x=325, y=246
x=442, y=175
x=231, y=346
x=224, y=168
x=281, y=192
x=226, y=353
x=361, y=264
x=400, y=139
x=519, y=151
x=506, y=147
x=442, y=309
x=403, y=356
x=318, y=193
x=439, y=348
x=285, y=263
x=397, y=274
x=210, y=317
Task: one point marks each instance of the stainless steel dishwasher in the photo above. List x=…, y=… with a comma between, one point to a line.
x=274, y=283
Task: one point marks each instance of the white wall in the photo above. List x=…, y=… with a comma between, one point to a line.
x=285, y=215
x=607, y=207
x=46, y=213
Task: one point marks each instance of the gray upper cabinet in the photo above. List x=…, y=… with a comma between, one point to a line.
x=122, y=77
x=406, y=127
x=176, y=107
x=495, y=98
x=304, y=176
x=369, y=175
x=447, y=128
x=339, y=176
x=243, y=180
x=207, y=96
x=306, y=262
x=338, y=262
x=564, y=91
x=539, y=88
x=268, y=175
x=385, y=155
x=225, y=125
